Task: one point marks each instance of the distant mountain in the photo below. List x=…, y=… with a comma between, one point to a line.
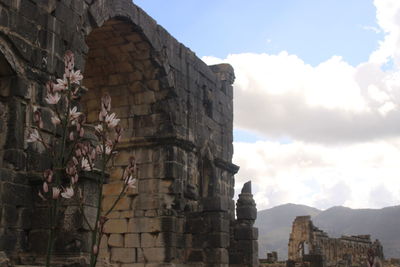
x=275, y=225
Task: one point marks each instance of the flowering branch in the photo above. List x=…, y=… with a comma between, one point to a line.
x=73, y=155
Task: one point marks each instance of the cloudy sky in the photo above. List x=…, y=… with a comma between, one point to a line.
x=317, y=93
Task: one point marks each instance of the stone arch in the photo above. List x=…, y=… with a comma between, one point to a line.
x=207, y=173
x=7, y=74
x=121, y=62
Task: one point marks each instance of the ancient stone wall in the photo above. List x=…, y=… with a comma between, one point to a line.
x=307, y=242
x=177, y=114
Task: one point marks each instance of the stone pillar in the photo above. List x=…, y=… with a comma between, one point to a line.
x=244, y=242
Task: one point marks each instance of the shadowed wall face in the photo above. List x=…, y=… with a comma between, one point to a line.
x=177, y=116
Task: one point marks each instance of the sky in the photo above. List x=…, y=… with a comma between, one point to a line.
x=316, y=95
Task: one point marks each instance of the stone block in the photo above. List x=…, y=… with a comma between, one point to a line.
x=116, y=226
x=9, y=216
x=116, y=240
x=113, y=189
x=123, y=204
x=216, y=204
x=38, y=240
x=16, y=157
x=217, y=240
x=157, y=254
x=196, y=256
x=123, y=255
x=246, y=213
x=217, y=256
x=132, y=240
x=145, y=225
x=246, y=233
x=8, y=239
x=7, y=175
x=15, y=194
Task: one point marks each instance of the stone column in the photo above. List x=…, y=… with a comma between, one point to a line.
x=244, y=242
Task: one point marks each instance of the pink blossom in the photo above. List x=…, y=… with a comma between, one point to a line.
x=45, y=187
x=99, y=148
x=33, y=136
x=74, y=179
x=62, y=84
x=106, y=103
x=111, y=120
x=85, y=165
x=74, y=114
x=53, y=99
x=55, y=120
x=48, y=175
x=68, y=192
x=69, y=61
x=50, y=87
x=130, y=181
x=98, y=128
x=56, y=192
x=102, y=115
x=41, y=196
x=37, y=117
x=95, y=250
x=81, y=132
x=75, y=76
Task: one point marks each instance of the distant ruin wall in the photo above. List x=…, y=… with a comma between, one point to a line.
x=307, y=241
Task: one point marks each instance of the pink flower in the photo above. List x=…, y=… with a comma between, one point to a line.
x=62, y=84
x=41, y=196
x=75, y=76
x=50, y=87
x=130, y=181
x=45, y=187
x=95, y=250
x=48, y=175
x=69, y=62
x=99, y=150
x=74, y=179
x=37, y=117
x=53, y=99
x=106, y=103
x=99, y=128
x=55, y=120
x=56, y=192
x=85, y=165
x=68, y=192
x=74, y=114
x=111, y=120
x=33, y=136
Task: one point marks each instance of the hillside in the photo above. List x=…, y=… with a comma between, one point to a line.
x=275, y=225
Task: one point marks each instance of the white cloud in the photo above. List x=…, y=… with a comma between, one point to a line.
x=319, y=175
x=343, y=120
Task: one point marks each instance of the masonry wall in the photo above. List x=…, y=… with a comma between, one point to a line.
x=306, y=241
x=177, y=114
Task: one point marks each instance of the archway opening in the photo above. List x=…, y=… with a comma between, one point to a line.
x=120, y=62
x=7, y=75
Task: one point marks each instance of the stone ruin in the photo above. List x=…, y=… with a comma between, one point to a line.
x=310, y=246
x=177, y=113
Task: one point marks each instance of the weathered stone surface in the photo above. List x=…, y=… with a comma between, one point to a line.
x=123, y=255
x=177, y=117
x=116, y=226
x=116, y=240
x=307, y=243
x=132, y=240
